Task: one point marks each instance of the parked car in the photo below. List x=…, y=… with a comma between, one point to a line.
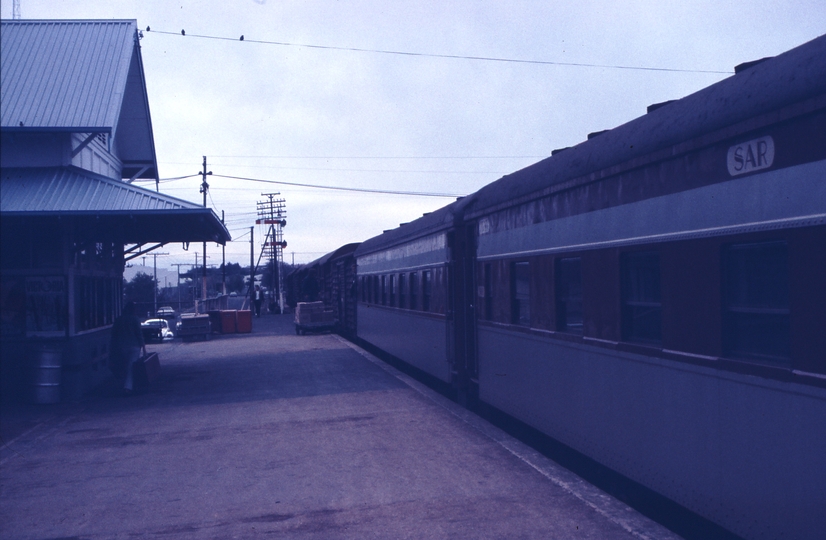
x=156, y=330
x=165, y=312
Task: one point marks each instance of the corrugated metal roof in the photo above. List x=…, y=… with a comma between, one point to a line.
x=62, y=190
x=104, y=207
x=64, y=74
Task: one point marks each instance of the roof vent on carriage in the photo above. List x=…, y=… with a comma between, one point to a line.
x=739, y=68
x=597, y=133
x=558, y=150
x=654, y=106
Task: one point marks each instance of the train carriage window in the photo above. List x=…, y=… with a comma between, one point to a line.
x=756, y=302
x=414, y=290
x=383, y=287
x=641, y=303
x=391, y=287
x=521, y=293
x=376, y=289
x=426, y=290
x=402, y=296
x=568, y=294
x=488, y=293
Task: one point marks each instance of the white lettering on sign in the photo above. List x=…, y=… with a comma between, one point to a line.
x=751, y=156
x=484, y=226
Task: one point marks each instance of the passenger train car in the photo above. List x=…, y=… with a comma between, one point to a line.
x=403, y=293
x=654, y=297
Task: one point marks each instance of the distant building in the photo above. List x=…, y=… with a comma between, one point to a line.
x=76, y=131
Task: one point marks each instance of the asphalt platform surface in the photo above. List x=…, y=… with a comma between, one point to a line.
x=275, y=435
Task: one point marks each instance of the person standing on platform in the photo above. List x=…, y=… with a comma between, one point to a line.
x=126, y=345
x=258, y=297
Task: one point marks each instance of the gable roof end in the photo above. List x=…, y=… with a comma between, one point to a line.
x=79, y=76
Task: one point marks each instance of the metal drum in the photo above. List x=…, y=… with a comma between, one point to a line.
x=46, y=364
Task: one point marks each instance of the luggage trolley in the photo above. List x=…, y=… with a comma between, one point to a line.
x=312, y=317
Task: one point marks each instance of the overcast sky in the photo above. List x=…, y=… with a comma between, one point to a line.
x=305, y=110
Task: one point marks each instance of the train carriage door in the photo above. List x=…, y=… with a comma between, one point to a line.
x=462, y=311
x=350, y=296
x=340, y=291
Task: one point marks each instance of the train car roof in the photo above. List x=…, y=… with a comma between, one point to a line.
x=297, y=269
x=343, y=251
x=429, y=223
x=756, y=88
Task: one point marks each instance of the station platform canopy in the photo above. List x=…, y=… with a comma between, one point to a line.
x=105, y=209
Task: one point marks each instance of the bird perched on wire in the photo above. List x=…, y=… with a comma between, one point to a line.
x=242, y=37
x=183, y=32
x=147, y=29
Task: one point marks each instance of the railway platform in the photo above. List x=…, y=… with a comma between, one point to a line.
x=274, y=434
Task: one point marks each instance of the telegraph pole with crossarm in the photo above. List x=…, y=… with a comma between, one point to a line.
x=273, y=213
x=204, y=190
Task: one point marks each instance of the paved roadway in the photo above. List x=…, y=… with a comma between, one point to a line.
x=277, y=435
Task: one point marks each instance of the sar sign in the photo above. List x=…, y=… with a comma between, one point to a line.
x=751, y=156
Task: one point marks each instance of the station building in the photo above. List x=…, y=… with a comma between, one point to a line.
x=76, y=132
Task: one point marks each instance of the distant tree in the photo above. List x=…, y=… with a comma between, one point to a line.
x=167, y=295
x=235, y=283
x=234, y=269
x=140, y=289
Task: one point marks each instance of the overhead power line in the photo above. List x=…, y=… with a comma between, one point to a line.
x=339, y=188
x=339, y=169
x=318, y=186
x=446, y=56
x=378, y=157
x=175, y=178
x=342, y=169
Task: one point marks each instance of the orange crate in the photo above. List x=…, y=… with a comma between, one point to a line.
x=228, y=323
x=244, y=321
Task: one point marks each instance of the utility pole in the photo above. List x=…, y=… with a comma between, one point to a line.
x=179, y=265
x=155, y=273
x=273, y=213
x=223, y=263
x=204, y=190
x=252, y=265
x=202, y=265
